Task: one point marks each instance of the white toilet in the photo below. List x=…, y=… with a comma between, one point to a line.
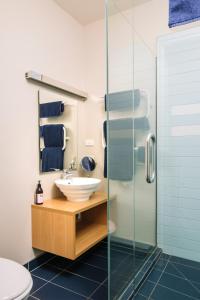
x=15, y=281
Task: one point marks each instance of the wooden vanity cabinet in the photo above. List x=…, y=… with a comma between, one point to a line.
x=68, y=228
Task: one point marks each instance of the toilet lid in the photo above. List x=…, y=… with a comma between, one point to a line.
x=14, y=279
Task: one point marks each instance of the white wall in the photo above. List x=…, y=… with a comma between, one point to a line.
x=92, y=112
x=178, y=144
x=36, y=35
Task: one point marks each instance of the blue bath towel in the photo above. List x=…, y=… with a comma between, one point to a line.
x=53, y=135
x=183, y=11
x=51, y=109
x=122, y=101
x=141, y=123
x=125, y=124
x=120, y=164
x=52, y=158
x=140, y=155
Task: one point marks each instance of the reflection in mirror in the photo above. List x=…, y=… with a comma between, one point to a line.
x=88, y=164
x=57, y=130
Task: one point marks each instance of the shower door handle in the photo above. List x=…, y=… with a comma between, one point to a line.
x=150, y=158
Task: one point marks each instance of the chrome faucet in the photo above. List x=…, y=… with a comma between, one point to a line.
x=66, y=174
x=72, y=165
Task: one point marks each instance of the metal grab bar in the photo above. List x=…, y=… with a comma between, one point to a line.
x=150, y=158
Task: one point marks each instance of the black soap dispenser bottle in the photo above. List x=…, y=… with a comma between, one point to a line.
x=39, y=194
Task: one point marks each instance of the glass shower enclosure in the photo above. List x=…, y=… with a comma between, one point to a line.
x=130, y=152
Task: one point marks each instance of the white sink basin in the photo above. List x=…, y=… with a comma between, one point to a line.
x=78, y=189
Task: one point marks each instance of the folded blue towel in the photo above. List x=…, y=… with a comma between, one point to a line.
x=52, y=158
x=51, y=109
x=53, y=135
x=121, y=101
x=183, y=11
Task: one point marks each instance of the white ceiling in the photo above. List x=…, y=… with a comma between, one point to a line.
x=88, y=11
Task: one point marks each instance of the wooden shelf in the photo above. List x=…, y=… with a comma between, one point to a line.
x=56, y=228
x=89, y=235
x=61, y=204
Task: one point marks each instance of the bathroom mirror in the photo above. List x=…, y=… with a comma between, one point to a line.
x=58, y=115
x=88, y=164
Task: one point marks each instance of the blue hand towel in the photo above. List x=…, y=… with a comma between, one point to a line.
x=122, y=101
x=52, y=158
x=53, y=135
x=183, y=11
x=51, y=109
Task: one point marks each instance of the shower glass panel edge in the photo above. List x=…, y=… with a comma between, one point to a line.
x=130, y=132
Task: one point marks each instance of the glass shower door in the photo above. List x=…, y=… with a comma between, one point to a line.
x=130, y=153
x=145, y=200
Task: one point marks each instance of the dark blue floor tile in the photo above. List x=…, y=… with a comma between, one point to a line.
x=76, y=283
x=100, y=294
x=141, y=254
x=144, y=247
x=196, y=285
x=122, y=245
x=127, y=268
x=165, y=256
x=37, y=283
x=185, y=262
x=38, y=261
x=189, y=272
x=171, y=269
x=46, y=272
x=154, y=275
x=178, y=284
x=118, y=256
x=147, y=288
x=161, y=264
x=60, y=262
x=89, y=272
x=94, y=260
x=163, y=293
x=122, y=249
x=139, y=297
x=104, y=240
x=100, y=250
x=53, y=292
x=117, y=283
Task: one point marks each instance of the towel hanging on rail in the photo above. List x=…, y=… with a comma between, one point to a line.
x=122, y=101
x=52, y=158
x=51, y=109
x=120, y=164
x=53, y=135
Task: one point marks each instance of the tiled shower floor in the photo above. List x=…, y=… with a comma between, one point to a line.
x=172, y=278
x=56, y=278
